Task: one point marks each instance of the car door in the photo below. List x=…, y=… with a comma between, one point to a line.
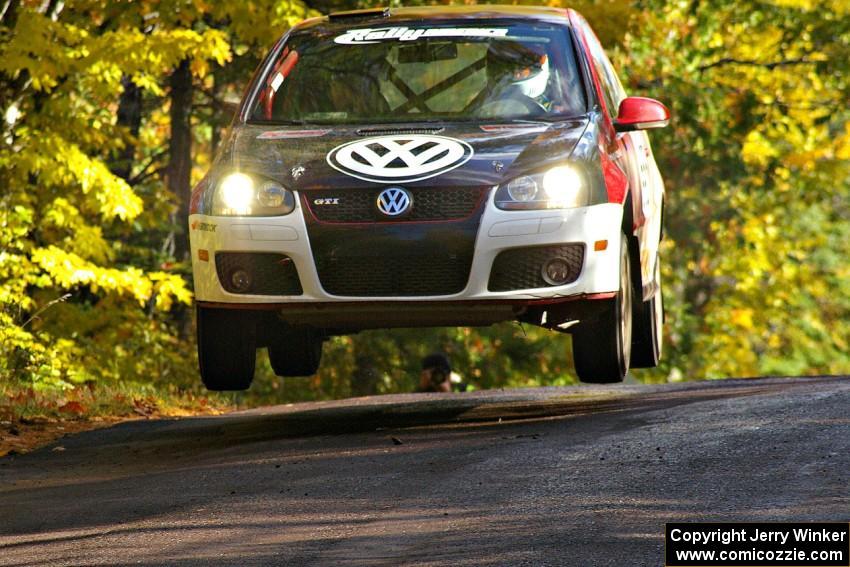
x=632, y=153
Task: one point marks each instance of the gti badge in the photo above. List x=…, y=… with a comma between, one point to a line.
x=394, y=201
x=399, y=159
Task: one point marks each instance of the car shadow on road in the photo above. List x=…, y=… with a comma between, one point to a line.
x=296, y=479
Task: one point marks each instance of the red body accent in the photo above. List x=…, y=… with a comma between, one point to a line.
x=616, y=182
x=283, y=68
x=638, y=110
x=510, y=127
x=197, y=195
x=400, y=304
x=289, y=134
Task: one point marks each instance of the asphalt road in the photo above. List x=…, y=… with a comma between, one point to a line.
x=555, y=476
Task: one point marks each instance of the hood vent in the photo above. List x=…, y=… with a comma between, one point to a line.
x=395, y=131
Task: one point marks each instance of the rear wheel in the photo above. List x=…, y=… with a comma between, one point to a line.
x=227, y=348
x=602, y=346
x=648, y=328
x=294, y=351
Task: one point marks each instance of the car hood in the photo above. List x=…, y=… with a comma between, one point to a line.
x=312, y=158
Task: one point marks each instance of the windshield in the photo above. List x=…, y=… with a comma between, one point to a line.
x=422, y=72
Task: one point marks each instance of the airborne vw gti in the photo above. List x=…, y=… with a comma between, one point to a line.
x=429, y=167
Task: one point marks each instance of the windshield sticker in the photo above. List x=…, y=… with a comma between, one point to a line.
x=369, y=35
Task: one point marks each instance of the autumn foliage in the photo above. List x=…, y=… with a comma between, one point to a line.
x=95, y=288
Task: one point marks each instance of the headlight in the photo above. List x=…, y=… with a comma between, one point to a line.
x=522, y=189
x=240, y=194
x=237, y=193
x=563, y=187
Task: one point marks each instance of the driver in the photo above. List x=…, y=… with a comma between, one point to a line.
x=516, y=71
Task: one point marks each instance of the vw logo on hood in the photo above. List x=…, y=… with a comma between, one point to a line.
x=394, y=201
x=399, y=159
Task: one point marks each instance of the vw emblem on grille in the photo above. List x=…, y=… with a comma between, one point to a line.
x=394, y=201
x=399, y=159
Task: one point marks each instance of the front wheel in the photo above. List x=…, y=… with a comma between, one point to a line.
x=648, y=332
x=227, y=348
x=602, y=346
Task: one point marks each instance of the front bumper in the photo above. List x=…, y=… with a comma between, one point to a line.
x=498, y=231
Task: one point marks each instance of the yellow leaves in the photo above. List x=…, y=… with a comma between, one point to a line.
x=147, y=57
x=62, y=214
x=79, y=237
x=800, y=144
x=169, y=288
x=842, y=144
x=53, y=51
x=717, y=40
x=44, y=48
x=743, y=318
x=258, y=25
x=837, y=6
x=67, y=270
x=757, y=149
x=48, y=361
x=58, y=162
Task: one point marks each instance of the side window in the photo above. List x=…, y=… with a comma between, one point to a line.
x=617, y=91
x=612, y=89
x=607, y=87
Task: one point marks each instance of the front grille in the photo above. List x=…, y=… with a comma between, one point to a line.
x=395, y=275
x=268, y=274
x=521, y=268
x=360, y=205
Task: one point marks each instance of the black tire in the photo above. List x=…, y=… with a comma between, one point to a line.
x=602, y=346
x=227, y=348
x=294, y=351
x=648, y=337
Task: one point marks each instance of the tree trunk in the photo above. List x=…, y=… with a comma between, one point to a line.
x=129, y=116
x=180, y=154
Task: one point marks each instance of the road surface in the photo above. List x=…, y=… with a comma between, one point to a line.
x=552, y=476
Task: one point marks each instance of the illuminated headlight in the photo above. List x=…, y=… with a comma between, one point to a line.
x=237, y=193
x=240, y=194
x=563, y=187
x=564, y=184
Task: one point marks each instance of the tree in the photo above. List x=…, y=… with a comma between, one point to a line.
x=758, y=175
x=66, y=218
x=112, y=110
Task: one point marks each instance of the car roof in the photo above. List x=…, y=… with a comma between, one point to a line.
x=389, y=16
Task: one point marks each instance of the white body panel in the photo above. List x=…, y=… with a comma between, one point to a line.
x=499, y=230
x=646, y=185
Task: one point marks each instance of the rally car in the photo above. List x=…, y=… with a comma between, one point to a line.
x=441, y=166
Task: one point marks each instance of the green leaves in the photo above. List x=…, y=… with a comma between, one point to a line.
x=752, y=168
x=756, y=165
x=62, y=74
x=68, y=223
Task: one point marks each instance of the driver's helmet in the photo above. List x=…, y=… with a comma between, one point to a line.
x=519, y=67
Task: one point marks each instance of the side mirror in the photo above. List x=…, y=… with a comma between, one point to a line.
x=639, y=113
